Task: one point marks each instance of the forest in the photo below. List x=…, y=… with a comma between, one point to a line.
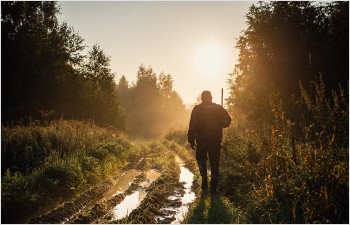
x=48, y=76
x=68, y=124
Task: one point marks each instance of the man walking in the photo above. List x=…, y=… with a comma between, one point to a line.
x=205, y=135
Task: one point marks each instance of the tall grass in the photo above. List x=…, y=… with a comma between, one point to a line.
x=177, y=135
x=43, y=165
x=277, y=178
x=214, y=209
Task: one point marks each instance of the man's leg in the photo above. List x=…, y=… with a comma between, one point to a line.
x=214, y=158
x=201, y=156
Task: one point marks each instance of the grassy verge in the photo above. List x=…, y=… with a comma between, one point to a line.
x=43, y=166
x=214, y=209
x=276, y=178
x=271, y=187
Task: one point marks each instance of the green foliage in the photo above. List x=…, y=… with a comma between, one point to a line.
x=285, y=159
x=45, y=164
x=329, y=118
x=214, y=209
x=59, y=177
x=284, y=43
x=15, y=196
x=279, y=179
x=45, y=69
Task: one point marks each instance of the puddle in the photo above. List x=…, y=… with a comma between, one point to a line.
x=129, y=203
x=151, y=175
x=133, y=200
x=179, y=212
x=126, y=180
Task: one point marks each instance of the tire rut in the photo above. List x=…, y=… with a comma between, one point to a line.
x=161, y=203
x=68, y=210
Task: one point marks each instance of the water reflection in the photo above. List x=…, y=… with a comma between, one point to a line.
x=186, y=177
x=151, y=176
x=178, y=211
x=126, y=180
x=133, y=200
x=129, y=203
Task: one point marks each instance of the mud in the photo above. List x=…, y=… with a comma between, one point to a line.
x=133, y=197
x=181, y=199
x=132, y=201
x=67, y=211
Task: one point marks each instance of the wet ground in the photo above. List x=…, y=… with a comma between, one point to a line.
x=133, y=200
x=183, y=196
x=135, y=196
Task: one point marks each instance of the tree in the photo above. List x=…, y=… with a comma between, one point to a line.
x=288, y=42
x=145, y=103
x=173, y=109
x=151, y=105
x=102, y=90
x=123, y=92
x=38, y=54
x=165, y=85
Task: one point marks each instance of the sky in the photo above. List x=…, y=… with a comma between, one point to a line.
x=194, y=42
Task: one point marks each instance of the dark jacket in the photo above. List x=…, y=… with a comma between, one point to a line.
x=206, y=123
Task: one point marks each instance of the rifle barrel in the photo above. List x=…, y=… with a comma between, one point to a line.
x=222, y=97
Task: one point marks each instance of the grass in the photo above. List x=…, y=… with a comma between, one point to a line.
x=44, y=165
x=274, y=178
x=214, y=209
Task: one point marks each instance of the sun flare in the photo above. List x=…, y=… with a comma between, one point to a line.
x=211, y=58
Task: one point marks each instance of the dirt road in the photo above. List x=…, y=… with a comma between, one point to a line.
x=139, y=195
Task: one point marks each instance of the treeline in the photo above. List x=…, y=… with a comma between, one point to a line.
x=47, y=74
x=287, y=152
x=152, y=106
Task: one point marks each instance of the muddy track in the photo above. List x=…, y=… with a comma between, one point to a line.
x=68, y=210
x=160, y=202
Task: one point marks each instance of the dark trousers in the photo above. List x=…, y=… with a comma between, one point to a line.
x=211, y=149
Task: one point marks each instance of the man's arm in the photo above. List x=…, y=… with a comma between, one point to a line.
x=226, y=119
x=192, y=129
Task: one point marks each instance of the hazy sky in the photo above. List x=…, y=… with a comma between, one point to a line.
x=192, y=41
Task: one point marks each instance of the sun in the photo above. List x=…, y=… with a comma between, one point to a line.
x=211, y=58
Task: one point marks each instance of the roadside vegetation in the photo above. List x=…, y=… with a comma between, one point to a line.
x=285, y=157
x=43, y=165
x=276, y=178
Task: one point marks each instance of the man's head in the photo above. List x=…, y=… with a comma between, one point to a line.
x=206, y=96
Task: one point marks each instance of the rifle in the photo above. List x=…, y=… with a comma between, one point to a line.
x=222, y=97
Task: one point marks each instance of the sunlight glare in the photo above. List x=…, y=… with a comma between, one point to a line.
x=211, y=59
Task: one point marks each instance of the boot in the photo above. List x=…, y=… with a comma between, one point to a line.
x=204, y=184
x=213, y=185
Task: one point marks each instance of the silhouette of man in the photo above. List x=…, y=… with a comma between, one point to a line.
x=205, y=135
